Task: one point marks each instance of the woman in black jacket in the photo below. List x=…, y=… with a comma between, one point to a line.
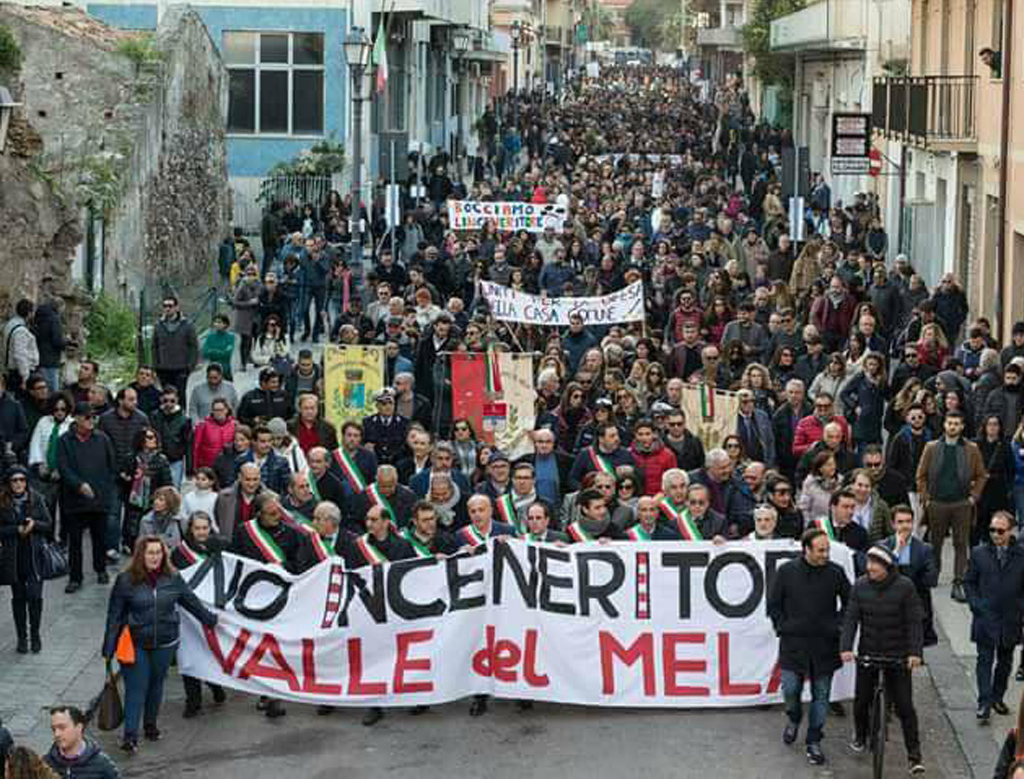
x=197, y=544
x=1010, y=755
x=145, y=598
x=998, y=459
x=24, y=521
x=150, y=471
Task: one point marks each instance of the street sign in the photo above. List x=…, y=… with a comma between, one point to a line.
x=851, y=144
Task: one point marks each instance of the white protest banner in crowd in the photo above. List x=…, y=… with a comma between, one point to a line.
x=625, y=624
x=509, y=305
x=669, y=159
x=506, y=216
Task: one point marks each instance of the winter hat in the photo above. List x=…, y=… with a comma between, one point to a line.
x=882, y=554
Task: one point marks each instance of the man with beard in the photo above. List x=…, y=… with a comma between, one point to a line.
x=684, y=359
x=595, y=522
x=648, y=527
x=1006, y=401
x=688, y=448
x=651, y=455
x=423, y=535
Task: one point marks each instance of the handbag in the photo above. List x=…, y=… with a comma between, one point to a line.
x=110, y=710
x=50, y=560
x=125, y=651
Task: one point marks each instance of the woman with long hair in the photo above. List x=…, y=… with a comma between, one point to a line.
x=1010, y=763
x=718, y=316
x=654, y=383
x=42, y=451
x=571, y=416
x=782, y=367
x=271, y=347
x=932, y=347
x=24, y=523
x=150, y=471
x=997, y=455
x=821, y=482
x=145, y=600
x=23, y=763
x=465, y=444
x=163, y=520
x=757, y=379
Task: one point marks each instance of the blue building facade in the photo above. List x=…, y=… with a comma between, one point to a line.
x=288, y=80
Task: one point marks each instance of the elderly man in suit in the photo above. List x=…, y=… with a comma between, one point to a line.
x=915, y=560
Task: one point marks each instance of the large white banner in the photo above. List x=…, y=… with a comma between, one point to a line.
x=506, y=216
x=624, y=624
x=509, y=305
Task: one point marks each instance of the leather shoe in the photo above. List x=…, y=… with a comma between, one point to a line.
x=1000, y=708
x=275, y=710
x=837, y=709
x=957, y=593
x=22, y=646
x=814, y=754
x=73, y=587
x=478, y=707
x=37, y=645
x=790, y=733
x=373, y=716
x=983, y=715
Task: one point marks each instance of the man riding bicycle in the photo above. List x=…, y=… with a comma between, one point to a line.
x=885, y=607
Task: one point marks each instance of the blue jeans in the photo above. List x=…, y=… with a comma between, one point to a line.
x=52, y=376
x=177, y=473
x=144, y=687
x=992, y=686
x=114, y=515
x=792, y=689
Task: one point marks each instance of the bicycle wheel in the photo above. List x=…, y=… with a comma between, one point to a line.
x=878, y=733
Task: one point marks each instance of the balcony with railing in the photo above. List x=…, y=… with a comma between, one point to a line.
x=934, y=112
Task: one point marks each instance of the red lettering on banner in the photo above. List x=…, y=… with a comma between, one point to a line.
x=404, y=663
x=228, y=665
x=775, y=683
x=725, y=684
x=501, y=659
x=280, y=671
x=309, y=682
x=673, y=667
x=356, y=685
x=642, y=649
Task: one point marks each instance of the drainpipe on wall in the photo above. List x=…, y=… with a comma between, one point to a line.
x=1004, y=164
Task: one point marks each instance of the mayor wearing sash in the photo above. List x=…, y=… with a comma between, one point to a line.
x=424, y=537
x=325, y=538
x=324, y=483
x=269, y=539
x=395, y=499
x=605, y=455
x=647, y=527
x=353, y=463
x=595, y=523
x=379, y=544
x=196, y=545
x=698, y=521
x=538, y=521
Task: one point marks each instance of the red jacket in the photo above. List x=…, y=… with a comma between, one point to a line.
x=653, y=464
x=833, y=319
x=810, y=429
x=210, y=438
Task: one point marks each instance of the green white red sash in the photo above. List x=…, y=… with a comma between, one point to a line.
x=824, y=523
x=314, y=487
x=377, y=499
x=578, y=533
x=600, y=462
x=297, y=519
x=421, y=549
x=190, y=554
x=348, y=466
x=688, y=527
x=372, y=554
x=535, y=538
x=707, y=402
x=322, y=548
x=508, y=514
x=637, y=533
x=668, y=508
x=264, y=542
x=472, y=536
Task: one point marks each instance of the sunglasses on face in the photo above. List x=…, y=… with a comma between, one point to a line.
x=999, y=531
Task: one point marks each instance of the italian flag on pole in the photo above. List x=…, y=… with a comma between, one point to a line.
x=380, y=56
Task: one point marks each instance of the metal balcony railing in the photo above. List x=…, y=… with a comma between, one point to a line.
x=925, y=110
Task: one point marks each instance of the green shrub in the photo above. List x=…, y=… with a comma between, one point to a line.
x=112, y=329
x=10, y=51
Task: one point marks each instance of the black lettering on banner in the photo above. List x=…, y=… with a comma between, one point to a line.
x=548, y=581
x=457, y=581
x=600, y=592
x=749, y=604
x=372, y=600
x=402, y=606
x=773, y=561
x=504, y=555
x=272, y=609
x=221, y=595
x=684, y=561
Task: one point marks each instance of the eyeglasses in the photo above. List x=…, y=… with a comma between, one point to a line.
x=999, y=531
x=677, y=424
x=18, y=478
x=873, y=465
x=732, y=446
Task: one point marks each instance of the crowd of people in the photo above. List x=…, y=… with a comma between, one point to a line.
x=872, y=411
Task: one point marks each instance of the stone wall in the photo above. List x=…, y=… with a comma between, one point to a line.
x=133, y=126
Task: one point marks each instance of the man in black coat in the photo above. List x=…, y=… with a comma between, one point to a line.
x=784, y=424
x=885, y=608
x=915, y=560
x=805, y=605
x=995, y=592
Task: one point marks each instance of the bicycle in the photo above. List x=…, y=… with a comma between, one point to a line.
x=878, y=720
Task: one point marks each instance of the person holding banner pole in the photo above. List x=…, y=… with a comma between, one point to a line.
x=805, y=604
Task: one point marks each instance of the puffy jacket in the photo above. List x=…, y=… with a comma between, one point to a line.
x=175, y=431
x=150, y=612
x=889, y=615
x=653, y=464
x=91, y=462
x=93, y=763
x=122, y=432
x=210, y=438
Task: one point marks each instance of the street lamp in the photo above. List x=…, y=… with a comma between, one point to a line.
x=460, y=42
x=356, y=48
x=516, y=34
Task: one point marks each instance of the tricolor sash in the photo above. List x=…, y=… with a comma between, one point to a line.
x=508, y=514
x=372, y=554
x=637, y=533
x=578, y=533
x=421, y=549
x=322, y=548
x=189, y=553
x=688, y=527
x=472, y=536
x=533, y=537
x=348, y=466
x=377, y=499
x=264, y=542
x=314, y=487
x=824, y=523
x=668, y=508
x=600, y=462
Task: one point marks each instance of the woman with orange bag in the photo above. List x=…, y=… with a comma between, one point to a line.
x=142, y=620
